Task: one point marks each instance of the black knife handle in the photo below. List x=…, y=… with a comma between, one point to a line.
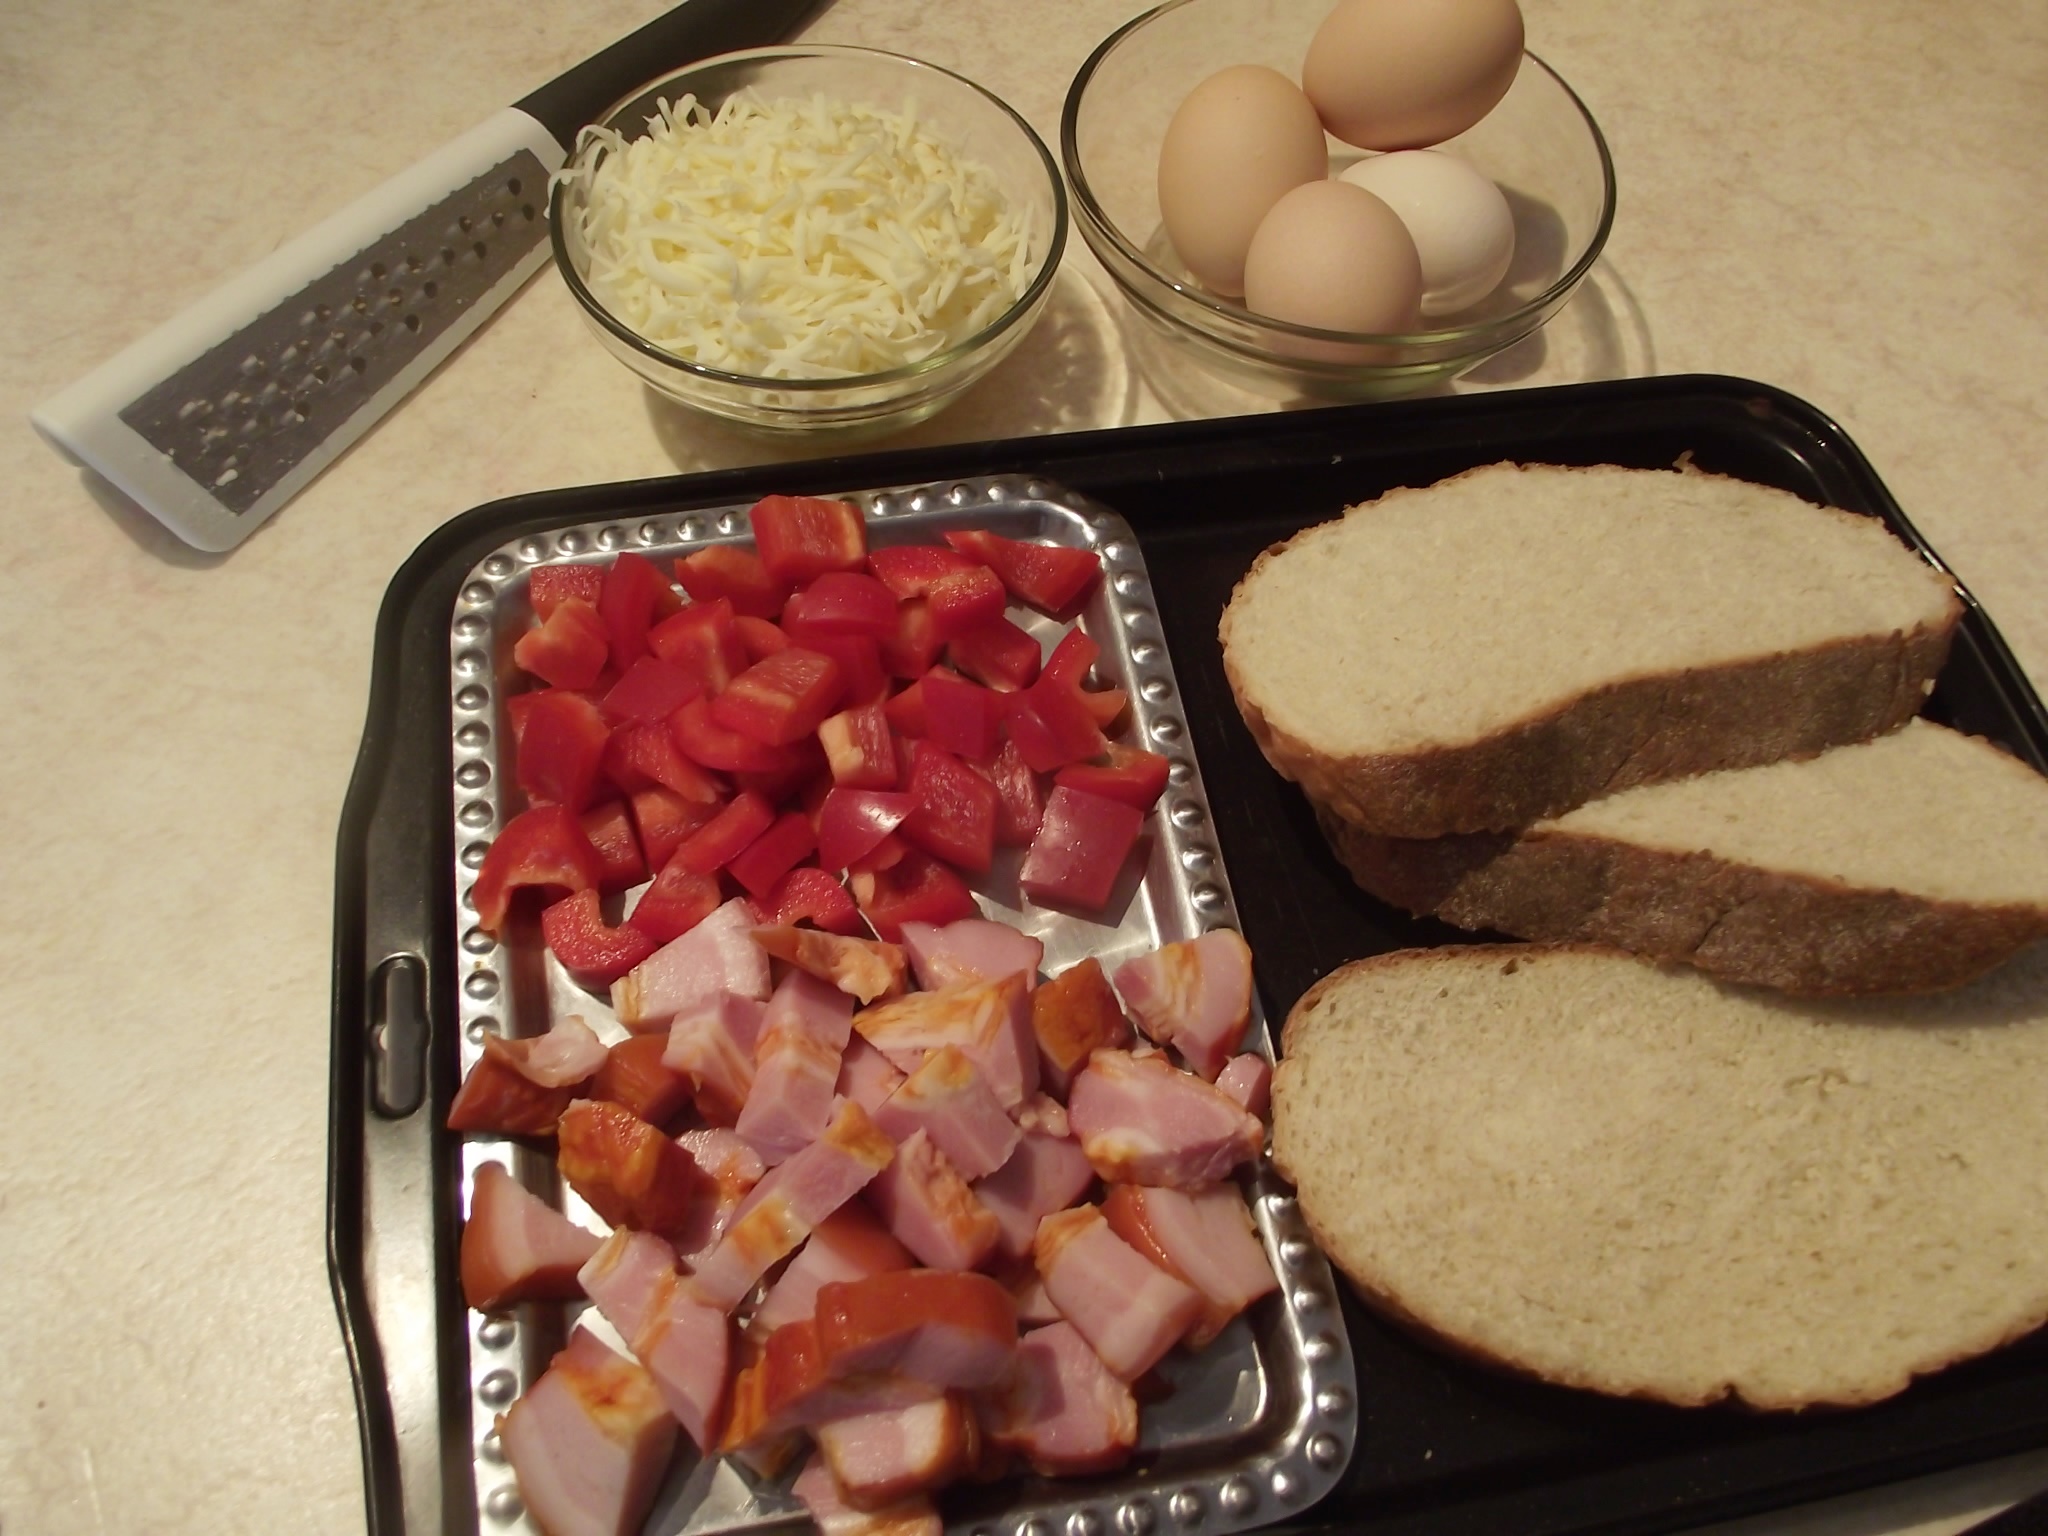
x=694, y=30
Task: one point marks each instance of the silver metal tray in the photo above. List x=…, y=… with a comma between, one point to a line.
x=1259, y=1425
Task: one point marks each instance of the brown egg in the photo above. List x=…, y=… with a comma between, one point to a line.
x=1241, y=138
x=1404, y=74
x=1332, y=255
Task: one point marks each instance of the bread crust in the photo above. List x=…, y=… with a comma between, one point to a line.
x=1636, y=731
x=1354, y=1259
x=1796, y=933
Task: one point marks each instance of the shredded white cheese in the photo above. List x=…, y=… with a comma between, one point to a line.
x=796, y=239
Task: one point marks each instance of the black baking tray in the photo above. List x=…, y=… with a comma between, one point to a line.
x=1445, y=1448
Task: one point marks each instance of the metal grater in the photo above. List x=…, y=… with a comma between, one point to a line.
x=217, y=418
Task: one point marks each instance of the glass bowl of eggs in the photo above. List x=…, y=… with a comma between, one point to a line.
x=1343, y=201
x=810, y=238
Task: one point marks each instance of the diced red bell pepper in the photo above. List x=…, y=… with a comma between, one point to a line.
x=841, y=603
x=548, y=585
x=541, y=848
x=1131, y=774
x=860, y=666
x=782, y=698
x=908, y=570
x=650, y=691
x=664, y=819
x=1020, y=798
x=915, y=889
x=635, y=596
x=997, y=653
x=1049, y=577
x=858, y=747
x=802, y=537
x=907, y=712
x=736, y=575
x=808, y=895
x=917, y=642
x=955, y=819
x=886, y=854
x=806, y=763
x=853, y=822
x=962, y=716
x=561, y=748
x=1080, y=849
x=1051, y=724
x=714, y=845
x=642, y=755
x=760, y=638
x=1069, y=661
x=610, y=830
x=569, y=649
x=594, y=952
x=676, y=902
x=773, y=854
x=705, y=742
x=1107, y=705
x=966, y=600
x=704, y=641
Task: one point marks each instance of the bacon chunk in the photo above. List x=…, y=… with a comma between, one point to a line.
x=1130, y=1310
x=634, y=1075
x=796, y=1065
x=629, y=1172
x=867, y=1076
x=713, y=1046
x=625, y=1278
x=790, y=1202
x=922, y=1199
x=822, y=1496
x=1249, y=1080
x=970, y=949
x=949, y=1100
x=516, y=1247
x=589, y=1441
x=1143, y=1121
x=788, y=1388
x=883, y=1457
x=988, y=1020
x=1073, y=1015
x=862, y=968
x=1061, y=1409
x=735, y=1168
x=850, y=1244
x=521, y=1087
x=1045, y=1174
x=1205, y=1239
x=684, y=1344
x=1195, y=995
x=716, y=957
x=945, y=1327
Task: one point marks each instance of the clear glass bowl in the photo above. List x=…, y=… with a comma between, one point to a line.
x=974, y=123
x=1540, y=145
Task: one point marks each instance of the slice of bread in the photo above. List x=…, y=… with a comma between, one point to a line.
x=1634, y=1179
x=1908, y=863
x=1504, y=645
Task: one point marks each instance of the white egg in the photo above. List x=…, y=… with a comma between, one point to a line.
x=1461, y=224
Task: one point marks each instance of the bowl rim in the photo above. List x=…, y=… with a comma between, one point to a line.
x=1095, y=222
x=1024, y=304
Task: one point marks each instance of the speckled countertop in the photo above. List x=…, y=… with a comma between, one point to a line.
x=1846, y=198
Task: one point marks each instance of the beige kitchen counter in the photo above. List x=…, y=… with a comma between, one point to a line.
x=1846, y=198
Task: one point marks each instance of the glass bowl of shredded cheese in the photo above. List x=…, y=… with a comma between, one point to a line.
x=810, y=237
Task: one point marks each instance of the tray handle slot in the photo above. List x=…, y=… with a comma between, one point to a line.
x=397, y=1036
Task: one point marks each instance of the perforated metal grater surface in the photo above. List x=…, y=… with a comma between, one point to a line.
x=221, y=415
x=242, y=416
